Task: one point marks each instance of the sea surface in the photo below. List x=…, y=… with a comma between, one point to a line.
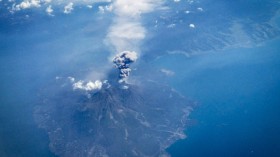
x=238, y=96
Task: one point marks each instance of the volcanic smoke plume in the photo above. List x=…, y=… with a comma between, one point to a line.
x=123, y=61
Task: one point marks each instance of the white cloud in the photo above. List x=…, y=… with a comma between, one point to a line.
x=47, y=1
x=58, y=77
x=167, y=72
x=101, y=9
x=72, y=79
x=200, y=9
x=108, y=8
x=191, y=25
x=68, y=8
x=89, y=6
x=190, y=1
x=124, y=87
x=87, y=86
x=177, y=0
x=186, y=54
x=26, y=4
x=171, y=25
x=49, y=10
x=134, y=8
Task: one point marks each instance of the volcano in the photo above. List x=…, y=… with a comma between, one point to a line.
x=142, y=120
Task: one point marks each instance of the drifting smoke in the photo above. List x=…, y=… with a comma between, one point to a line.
x=127, y=32
x=123, y=61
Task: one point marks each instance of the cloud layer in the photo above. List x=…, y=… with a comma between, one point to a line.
x=68, y=8
x=67, y=5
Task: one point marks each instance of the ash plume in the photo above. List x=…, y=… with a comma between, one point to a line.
x=122, y=61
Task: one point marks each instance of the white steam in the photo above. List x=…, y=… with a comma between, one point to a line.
x=88, y=86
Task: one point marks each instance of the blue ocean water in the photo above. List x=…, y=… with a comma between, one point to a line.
x=238, y=95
